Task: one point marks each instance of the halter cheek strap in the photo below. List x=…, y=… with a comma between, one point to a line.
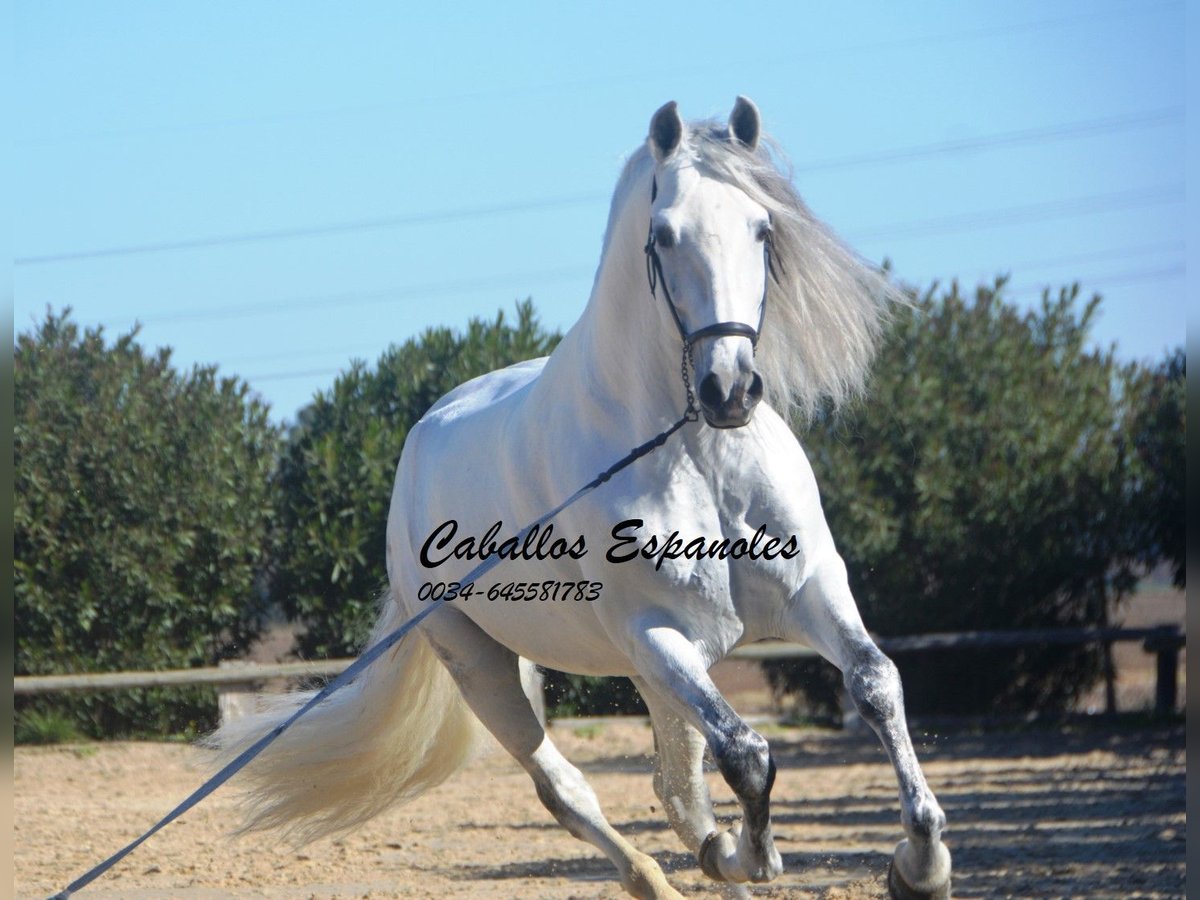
x=654, y=274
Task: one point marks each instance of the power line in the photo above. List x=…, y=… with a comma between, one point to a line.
x=1033, y=212
x=1115, y=253
x=292, y=376
x=1011, y=28
x=983, y=219
x=1096, y=285
x=359, y=298
x=1004, y=139
x=1092, y=284
x=608, y=80
x=398, y=221
x=339, y=352
x=1001, y=139
x=1092, y=256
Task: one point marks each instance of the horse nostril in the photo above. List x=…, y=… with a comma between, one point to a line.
x=711, y=394
x=756, y=388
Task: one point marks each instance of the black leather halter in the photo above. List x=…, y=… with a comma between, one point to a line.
x=654, y=275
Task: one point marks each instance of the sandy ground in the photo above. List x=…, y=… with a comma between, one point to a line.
x=1089, y=811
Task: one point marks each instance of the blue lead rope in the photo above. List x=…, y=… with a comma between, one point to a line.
x=369, y=656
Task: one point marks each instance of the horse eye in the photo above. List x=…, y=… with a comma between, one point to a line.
x=764, y=232
x=664, y=236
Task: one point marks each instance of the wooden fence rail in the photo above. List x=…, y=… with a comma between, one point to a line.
x=235, y=680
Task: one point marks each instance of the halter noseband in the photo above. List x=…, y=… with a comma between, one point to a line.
x=654, y=275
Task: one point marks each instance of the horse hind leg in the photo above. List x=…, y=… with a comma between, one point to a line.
x=488, y=675
x=824, y=615
x=680, y=786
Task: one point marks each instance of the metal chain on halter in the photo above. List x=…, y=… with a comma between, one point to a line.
x=692, y=413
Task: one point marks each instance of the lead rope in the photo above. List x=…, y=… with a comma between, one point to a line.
x=691, y=414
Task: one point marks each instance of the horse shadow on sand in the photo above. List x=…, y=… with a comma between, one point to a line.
x=1019, y=826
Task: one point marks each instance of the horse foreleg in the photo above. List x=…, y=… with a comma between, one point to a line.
x=823, y=614
x=674, y=671
x=921, y=863
x=488, y=675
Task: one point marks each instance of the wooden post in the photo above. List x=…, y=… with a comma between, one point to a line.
x=1166, y=645
x=235, y=699
x=1110, y=671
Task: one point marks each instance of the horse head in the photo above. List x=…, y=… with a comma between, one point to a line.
x=708, y=245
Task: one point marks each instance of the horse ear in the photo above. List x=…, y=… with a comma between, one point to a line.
x=666, y=131
x=744, y=123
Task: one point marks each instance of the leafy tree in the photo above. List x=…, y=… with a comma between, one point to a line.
x=590, y=695
x=985, y=484
x=336, y=473
x=141, y=521
x=1157, y=438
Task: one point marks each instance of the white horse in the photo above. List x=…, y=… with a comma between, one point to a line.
x=714, y=540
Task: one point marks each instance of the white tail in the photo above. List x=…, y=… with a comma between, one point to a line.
x=401, y=728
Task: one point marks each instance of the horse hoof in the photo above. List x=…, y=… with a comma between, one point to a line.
x=898, y=888
x=647, y=882
x=718, y=846
x=769, y=870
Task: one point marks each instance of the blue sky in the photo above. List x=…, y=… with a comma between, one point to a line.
x=278, y=188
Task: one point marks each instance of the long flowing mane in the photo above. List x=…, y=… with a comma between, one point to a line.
x=826, y=306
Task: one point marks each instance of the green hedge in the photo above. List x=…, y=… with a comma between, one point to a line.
x=991, y=481
x=142, y=512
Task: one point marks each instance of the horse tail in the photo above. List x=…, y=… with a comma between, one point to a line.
x=400, y=728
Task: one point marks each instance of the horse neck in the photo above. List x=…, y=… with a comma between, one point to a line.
x=627, y=353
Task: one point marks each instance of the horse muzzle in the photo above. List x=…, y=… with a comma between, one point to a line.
x=730, y=402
